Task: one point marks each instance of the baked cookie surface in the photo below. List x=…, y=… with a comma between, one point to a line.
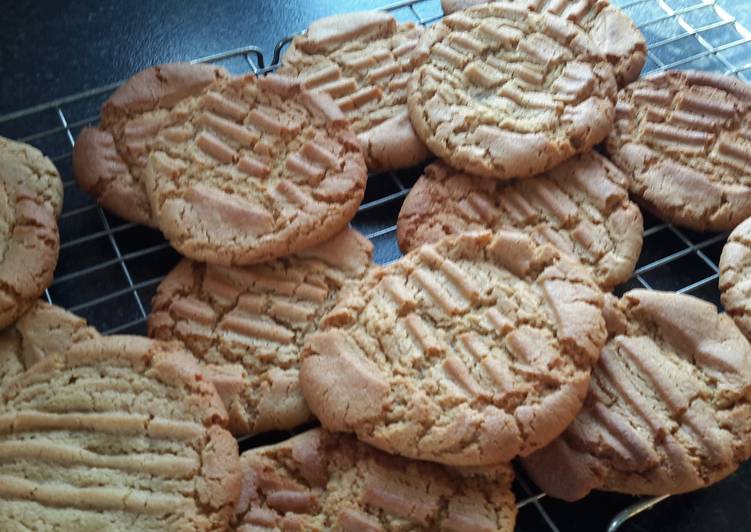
x=109, y=160
x=735, y=276
x=30, y=201
x=43, y=330
x=470, y=351
x=684, y=140
x=503, y=92
x=249, y=324
x=254, y=169
x=668, y=407
x=615, y=34
x=322, y=481
x=363, y=60
x=581, y=207
x=116, y=431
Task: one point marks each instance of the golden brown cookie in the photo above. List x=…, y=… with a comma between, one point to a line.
x=581, y=207
x=363, y=60
x=44, y=330
x=248, y=324
x=30, y=200
x=254, y=169
x=735, y=276
x=109, y=160
x=470, y=351
x=503, y=92
x=117, y=432
x=320, y=480
x=615, y=34
x=668, y=407
x=684, y=140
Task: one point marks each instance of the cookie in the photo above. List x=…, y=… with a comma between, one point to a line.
x=22, y=165
x=109, y=160
x=117, y=432
x=319, y=480
x=467, y=352
x=684, y=140
x=615, y=34
x=668, y=407
x=248, y=324
x=581, y=207
x=44, y=330
x=503, y=92
x=254, y=169
x=363, y=60
x=735, y=276
x=30, y=200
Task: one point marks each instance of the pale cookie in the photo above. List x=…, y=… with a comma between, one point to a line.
x=252, y=170
x=504, y=92
x=735, y=276
x=614, y=33
x=44, y=330
x=109, y=160
x=116, y=434
x=320, y=480
x=249, y=324
x=22, y=165
x=467, y=352
x=668, y=407
x=30, y=198
x=684, y=139
x=363, y=60
x=581, y=207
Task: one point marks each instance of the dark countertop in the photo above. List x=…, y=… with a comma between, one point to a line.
x=51, y=49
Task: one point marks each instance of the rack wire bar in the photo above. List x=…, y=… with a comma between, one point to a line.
x=129, y=260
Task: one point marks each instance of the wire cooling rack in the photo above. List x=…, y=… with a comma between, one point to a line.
x=109, y=269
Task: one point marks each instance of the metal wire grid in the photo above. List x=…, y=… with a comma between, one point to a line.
x=109, y=269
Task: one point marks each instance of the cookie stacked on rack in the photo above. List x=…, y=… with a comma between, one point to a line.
x=493, y=337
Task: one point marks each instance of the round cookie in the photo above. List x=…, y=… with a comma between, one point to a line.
x=581, y=206
x=116, y=431
x=668, y=407
x=684, y=140
x=248, y=324
x=735, y=276
x=109, y=160
x=44, y=330
x=22, y=165
x=320, y=480
x=467, y=352
x=615, y=34
x=363, y=60
x=254, y=169
x=503, y=92
x=30, y=199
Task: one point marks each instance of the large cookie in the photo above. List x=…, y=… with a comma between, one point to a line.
x=363, y=60
x=581, y=207
x=735, y=276
x=615, y=34
x=109, y=160
x=249, y=324
x=504, y=92
x=117, y=432
x=254, y=169
x=470, y=351
x=668, y=407
x=684, y=140
x=30, y=200
x=324, y=481
x=44, y=330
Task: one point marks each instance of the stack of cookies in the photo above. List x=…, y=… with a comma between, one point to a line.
x=494, y=337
